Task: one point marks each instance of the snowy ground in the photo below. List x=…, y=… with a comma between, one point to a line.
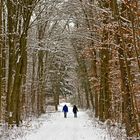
x=56, y=127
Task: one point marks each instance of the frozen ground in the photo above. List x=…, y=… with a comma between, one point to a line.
x=70, y=128
x=53, y=126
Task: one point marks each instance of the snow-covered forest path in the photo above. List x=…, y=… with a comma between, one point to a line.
x=70, y=128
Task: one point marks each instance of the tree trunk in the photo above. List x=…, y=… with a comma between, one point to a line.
x=33, y=90
x=40, y=85
x=105, y=95
x=11, y=13
x=1, y=46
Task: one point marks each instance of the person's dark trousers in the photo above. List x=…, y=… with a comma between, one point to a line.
x=75, y=115
x=65, y=114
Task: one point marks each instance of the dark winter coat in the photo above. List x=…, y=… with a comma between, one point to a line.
x=65, y=108
x=75, y=109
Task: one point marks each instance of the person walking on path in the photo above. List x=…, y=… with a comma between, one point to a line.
x=75, y=110
x=65, y=110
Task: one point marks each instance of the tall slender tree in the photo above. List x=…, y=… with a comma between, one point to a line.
x=1, y=46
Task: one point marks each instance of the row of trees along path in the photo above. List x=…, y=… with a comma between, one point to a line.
x=86, y=49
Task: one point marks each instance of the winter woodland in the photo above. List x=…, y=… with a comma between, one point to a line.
x=86, y=52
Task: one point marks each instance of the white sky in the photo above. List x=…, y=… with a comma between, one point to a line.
x=70, y=128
